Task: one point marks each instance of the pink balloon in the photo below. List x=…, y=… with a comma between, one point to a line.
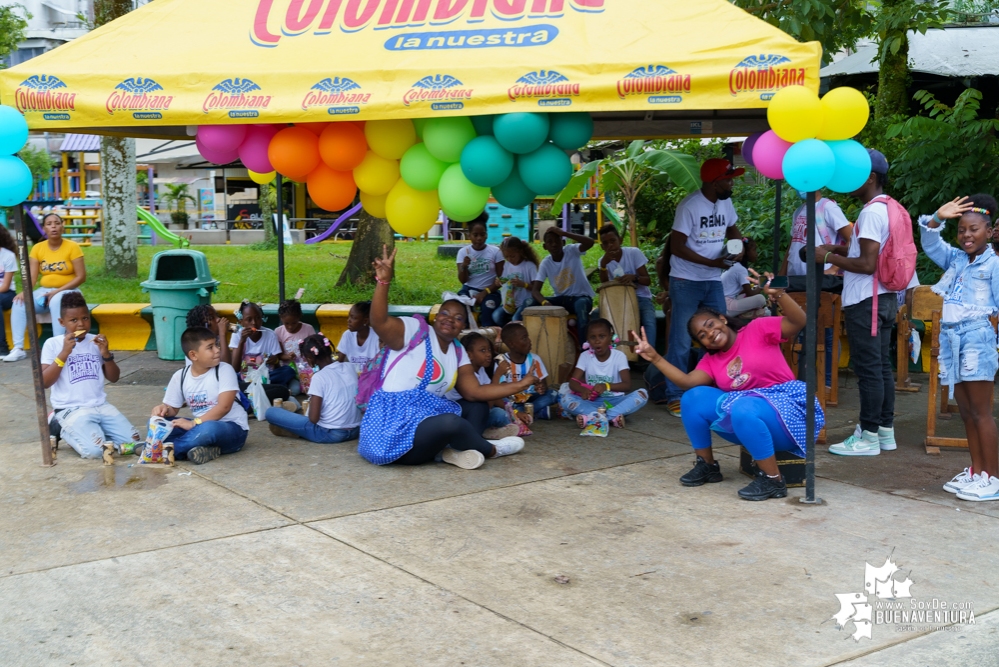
x=768, y=155
x=253, y=150
x=215, y=156
x=222, y=137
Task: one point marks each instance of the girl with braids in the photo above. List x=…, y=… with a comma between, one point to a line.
x=333, y=414
x=968, y=357
x=8, y=282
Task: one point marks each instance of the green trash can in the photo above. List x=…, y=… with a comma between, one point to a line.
x=178, y=281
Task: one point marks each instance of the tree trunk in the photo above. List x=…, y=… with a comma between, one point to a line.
x=372, y=234
x=267, y=214
x=120, y=233
x=893, y=74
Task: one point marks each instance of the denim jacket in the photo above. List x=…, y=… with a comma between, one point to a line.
x=981, y=277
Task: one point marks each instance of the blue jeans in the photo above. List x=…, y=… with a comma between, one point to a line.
x=620, y=405
x=6, y=300
x=282, y=375
x=501, y=317
x=688, y=296
x=303, y=428
x=578, y=305
x=647, y=316
x=497, y=417
x=229, y=437
x=486, y=308
x=86, y=429
x=757, y=425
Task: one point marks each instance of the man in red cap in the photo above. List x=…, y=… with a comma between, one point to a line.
x=704, y=221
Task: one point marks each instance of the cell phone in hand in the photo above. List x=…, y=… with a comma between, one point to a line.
x=778, y=282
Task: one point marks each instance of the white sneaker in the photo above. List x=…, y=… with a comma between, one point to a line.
x=960, y=480
x=16, y=355
x=507, y=446
x=866, y=445
x=468, y=459
x=886, y=437
x=985, y=487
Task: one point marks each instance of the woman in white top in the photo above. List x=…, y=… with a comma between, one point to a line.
x=8, y=283
x=408, y=418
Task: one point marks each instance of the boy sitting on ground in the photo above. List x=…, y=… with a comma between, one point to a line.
x=75, y=366
x=518, y=363
x=208, y=387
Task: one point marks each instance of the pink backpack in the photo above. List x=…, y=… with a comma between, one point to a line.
x=897, y=261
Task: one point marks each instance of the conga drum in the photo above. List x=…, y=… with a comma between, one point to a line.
x=547, y=327
x=619, y=305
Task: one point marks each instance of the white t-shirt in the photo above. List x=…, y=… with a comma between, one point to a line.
x=631, y=260
x=81, y=382
x=8, y=264
x=829, y=219
x=705, y=225
x=733, y=280
x=872, y=225
x=482, y=269
x=358, y=355
x=408, y=373
x=567, y=277
x=480, y=375
x=201, y=393
x=526, y=271
x=597, y=372
x=337, y=386
x=255, y=353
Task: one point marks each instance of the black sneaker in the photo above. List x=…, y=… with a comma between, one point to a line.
x=702, y=473
x=763, y=488
x=199, y=455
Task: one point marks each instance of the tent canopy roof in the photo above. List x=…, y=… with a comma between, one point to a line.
x=644, y=68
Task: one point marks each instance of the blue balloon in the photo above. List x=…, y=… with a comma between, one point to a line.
x=853, y=165
x=15, y=181
x=546, y=171
x=13, y=130
x=512, y=193
x=485, y=162
x=521, y=132
x=483, y=124
x=809, y=165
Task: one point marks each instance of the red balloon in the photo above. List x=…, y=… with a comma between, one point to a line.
x=330, y=189
x=343, y=146
x=294, y=152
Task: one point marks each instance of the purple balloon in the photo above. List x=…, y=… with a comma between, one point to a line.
x=747, y=147
x=253, y=150
x=215, y=156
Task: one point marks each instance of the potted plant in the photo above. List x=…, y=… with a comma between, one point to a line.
x=177, y=197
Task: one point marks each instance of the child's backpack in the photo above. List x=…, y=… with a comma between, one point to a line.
x=897, y=261
x=241, y=398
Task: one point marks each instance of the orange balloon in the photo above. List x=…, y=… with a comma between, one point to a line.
x=314, y=128
x=342, y=146
x=330, y=189
x=294, y=152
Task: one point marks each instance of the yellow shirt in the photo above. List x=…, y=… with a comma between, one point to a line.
x=56, y=266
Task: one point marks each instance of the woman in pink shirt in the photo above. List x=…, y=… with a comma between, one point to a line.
x=743, y=390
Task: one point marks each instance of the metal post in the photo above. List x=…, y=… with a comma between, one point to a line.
x=812, y=296
x=280, y=237
x=35, y=351
x=778, y=231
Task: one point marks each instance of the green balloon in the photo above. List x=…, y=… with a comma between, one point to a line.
x=571, y=130
x=521, y=132
x=446, y=137
x=512, y=192
x=546, y=171
x=420, y=169
x=483, y=124
x=486, y=163
x=419, y=123
x=461, y=199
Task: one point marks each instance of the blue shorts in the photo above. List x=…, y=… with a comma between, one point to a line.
x=968, y=352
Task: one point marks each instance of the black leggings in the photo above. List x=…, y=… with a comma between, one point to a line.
x=435, y=433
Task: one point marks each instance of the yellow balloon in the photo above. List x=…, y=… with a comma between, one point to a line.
x=390, y=138
x=411, y=212
x=795, y=114
x=376, y=175
x=846, y=113
x=262, y=179
x=374, y=204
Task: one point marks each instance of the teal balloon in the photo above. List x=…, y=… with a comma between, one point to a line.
x=418, y=123
x=447, y=137
x=13, y=130
x=486, y=163
x=545, y=171
x=853, y=166
x=15, y=181
x=421, y=170
x=512, y=192
x=809, y=165
x=483, y=124
x=521, y=132
x=571, y=130
x=461, y=199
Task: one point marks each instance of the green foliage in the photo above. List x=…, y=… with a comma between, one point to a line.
x=546, y=210
x=897, y=17
x=13, y=23
x=836, y=24
x=39, y=162
x=755, y=203
x=178, y=194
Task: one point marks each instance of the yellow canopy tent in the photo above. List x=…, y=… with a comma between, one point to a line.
x=644, y=69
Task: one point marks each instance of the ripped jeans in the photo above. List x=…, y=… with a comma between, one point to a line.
x=967, y=353
x=87, y=429
x=620, y=405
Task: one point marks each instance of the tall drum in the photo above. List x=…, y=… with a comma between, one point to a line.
x=547, y=327
x=619, y=305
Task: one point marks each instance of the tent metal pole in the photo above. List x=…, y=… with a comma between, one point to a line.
x=812, y=296
x=280, y=237
x=777, y=228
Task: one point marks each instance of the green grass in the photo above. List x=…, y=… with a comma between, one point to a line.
x=244, y=273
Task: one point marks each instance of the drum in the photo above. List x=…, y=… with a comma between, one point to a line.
x=547, y=327
x=619, y=305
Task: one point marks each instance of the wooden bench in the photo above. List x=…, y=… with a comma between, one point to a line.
x=919, y=305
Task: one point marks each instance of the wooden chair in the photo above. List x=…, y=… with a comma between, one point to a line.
x=919, y=305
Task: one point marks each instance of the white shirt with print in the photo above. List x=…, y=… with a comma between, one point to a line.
x=201, y=393
x=631, y=260
x=734, y=279
x=480, y=375
x=358, y=355
x=337, y=386
x=81, y=382
x=255, y=353
x=482, y=269
x=567, y=277
x=526, y=271
x=705, y=224
x=829, y=219
x=607, y=371
x=408, y=373
x=8, y=264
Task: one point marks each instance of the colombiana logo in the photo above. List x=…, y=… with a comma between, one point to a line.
x=444, y=91
x=238, y=96
x=139, y=96
x=334, y=93
x=550, y=88
x=662, y=84
x=763, y=74
x=45, y=93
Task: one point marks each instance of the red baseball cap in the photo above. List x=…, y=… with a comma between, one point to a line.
x=716, y=169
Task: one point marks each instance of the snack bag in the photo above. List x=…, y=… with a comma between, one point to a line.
x=156, y=433
x=598, y=427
